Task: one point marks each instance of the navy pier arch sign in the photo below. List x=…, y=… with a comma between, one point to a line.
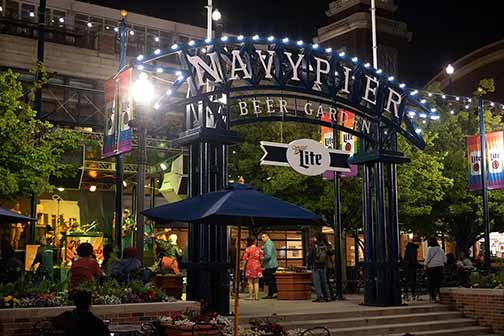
x=239, y=80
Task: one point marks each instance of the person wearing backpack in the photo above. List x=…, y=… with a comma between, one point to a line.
x=319, y=257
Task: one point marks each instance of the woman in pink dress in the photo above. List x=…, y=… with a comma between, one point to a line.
x=253, y=256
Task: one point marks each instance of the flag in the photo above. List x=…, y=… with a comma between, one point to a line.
x=494, y=159
x=347, y=142
x=118, y=136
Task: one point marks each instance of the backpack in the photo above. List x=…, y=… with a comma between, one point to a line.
x=321, y=255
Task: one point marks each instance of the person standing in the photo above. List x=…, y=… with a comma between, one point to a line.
x=252, y=257
x=318, y=260
x=411, y=264
x=434, y=263
x=128, y=229
x=44, y=258
x=16, y=228
x=269, y=265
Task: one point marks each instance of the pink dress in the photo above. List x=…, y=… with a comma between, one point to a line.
x=253, y=256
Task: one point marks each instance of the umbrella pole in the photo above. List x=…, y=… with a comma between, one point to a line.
x=237, y=282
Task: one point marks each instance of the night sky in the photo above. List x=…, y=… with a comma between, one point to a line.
x=443, y=30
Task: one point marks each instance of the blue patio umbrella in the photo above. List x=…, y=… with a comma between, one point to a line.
x=7, y=216
x=238, y=204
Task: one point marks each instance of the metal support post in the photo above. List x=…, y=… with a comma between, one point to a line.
x=382, y=284
x=119, y=178
x=338, y=260
x=484, y=182
x=140, y=183
x=369, y=255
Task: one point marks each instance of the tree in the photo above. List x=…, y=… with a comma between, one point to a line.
x=459, y=212
x=30, y=148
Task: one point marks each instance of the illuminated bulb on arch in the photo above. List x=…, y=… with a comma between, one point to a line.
x=132, y=32
x=140, y=57
x=367, y=65
x=224, y=38
x=414, y=92
x=285, y=40
x=208, y=40
x=159, y=70
x=452, y=112
x=433, y=110
x=175, y=46
x=61, y=20
x=240, y=37
x=191, y=43
x=418, y=131
x=92, y=188
x=423, y=115
x=156, y=39
x=430, y=94
x=379, y=71
x=90, y=25
x=342, y=54
x=255, y=37
x=32, y=14
x=423, y=101
x=116, y=29
x=492, y=104
x=443, y=96
x=178, y=73
x=328, y=50
x=140, y=67
x=168, y=92
x=402, y=85
x=156, y=106
x=299, y=43
x=424, y=121
x=457, y=98
x=315, y=46
x=391, y=78
x=354, y=59
x=157, y=51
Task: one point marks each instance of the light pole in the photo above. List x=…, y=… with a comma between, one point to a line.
x=449, y=71
x=484, y=181
x=143, y=93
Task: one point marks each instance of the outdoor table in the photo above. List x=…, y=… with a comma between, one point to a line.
x=125, y=330
x=293, y=285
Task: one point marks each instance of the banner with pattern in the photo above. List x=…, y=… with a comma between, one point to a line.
x=494, y=159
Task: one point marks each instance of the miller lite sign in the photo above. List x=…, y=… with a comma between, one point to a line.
x=305, y=156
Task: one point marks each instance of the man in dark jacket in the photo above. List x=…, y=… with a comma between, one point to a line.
x=319, y=258
x=81, y=321
x=411, y=264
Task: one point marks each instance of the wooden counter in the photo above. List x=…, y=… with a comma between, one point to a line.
x=294, y=285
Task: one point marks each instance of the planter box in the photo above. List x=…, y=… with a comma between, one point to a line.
x=171, y=284
x=485, y=305
x=20, y=321
x=294, y=285
x=201, y=330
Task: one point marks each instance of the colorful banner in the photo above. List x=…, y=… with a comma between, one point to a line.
x=347, y=142
x=75, y=239
x=494, y=159
x=119, y=110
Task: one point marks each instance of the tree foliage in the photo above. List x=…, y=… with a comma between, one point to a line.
x=30, y=148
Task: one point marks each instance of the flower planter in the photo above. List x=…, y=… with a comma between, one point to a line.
x=171, y=284
x=168, y=329
x=293, y=285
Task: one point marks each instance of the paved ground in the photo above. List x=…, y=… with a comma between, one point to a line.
x=274, y=306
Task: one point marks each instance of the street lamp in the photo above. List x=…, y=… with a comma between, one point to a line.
x=450, y=70
x=143, y=94
x=216, y=15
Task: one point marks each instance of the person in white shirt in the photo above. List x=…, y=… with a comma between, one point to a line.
x=434, y=263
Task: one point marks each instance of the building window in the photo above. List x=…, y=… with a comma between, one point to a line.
x=12, y=9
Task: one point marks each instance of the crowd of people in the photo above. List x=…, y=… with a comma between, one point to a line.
x=438, y=266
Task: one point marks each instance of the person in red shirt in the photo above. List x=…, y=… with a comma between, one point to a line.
x=85, y=268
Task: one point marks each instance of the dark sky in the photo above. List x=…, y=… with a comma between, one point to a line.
x=443, y=30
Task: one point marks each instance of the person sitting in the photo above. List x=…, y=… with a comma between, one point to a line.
x=81, y=321
x=109, y=259
x=12, y=267
x=128, y=268
x=85, y=268
x=169, y=253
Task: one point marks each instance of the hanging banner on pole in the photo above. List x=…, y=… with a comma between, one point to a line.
x=494, y=156
x=118, y=137
x=348, y=142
